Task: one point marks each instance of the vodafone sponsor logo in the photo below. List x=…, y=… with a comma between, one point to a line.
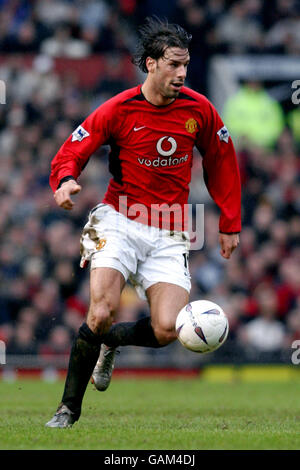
x=171, y=150
x=166, y=146
x=158, y=162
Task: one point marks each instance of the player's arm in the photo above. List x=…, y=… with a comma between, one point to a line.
x=222, y=177
x=74, y=154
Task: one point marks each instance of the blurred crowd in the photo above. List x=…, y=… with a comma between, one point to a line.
x=44, y=294
x=78, y=28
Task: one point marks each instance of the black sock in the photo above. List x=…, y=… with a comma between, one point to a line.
x=139, y=333
x=84, y=354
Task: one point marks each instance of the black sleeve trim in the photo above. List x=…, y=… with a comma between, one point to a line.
x=64, y=179
x=230, y=233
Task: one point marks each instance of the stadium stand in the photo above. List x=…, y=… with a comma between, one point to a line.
x=59, y=60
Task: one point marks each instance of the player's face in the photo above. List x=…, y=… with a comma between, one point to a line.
x=170, y=71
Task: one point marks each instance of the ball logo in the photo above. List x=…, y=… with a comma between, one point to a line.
x=172, y=149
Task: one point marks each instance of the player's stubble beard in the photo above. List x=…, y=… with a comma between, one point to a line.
x=171, y=94
x=164, y=87
x=166, y=91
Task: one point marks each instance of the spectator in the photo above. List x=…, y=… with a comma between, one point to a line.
x=63, y=45
x=47, y=302
x=284, y=35
x=239, y=29
x=114, y=80
x=289, y=289
x=58, y=343
x=25, y=40
x=293, y=324
x=294, y=124
x=253, y=116
x=264, y=333
x=28, y=316
x=23, y=341
x=53, y=12
x=93, y=16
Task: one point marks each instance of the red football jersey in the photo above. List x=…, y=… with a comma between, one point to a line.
x=152, y=154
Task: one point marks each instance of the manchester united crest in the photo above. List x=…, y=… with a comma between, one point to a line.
x=191, y=125
x=101, y=243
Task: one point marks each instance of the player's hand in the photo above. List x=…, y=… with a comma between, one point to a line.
x=62, y=195
x=228, y=243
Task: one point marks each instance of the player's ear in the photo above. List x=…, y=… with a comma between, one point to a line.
x=150, y=64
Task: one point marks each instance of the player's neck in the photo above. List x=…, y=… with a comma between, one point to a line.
x=153, y=96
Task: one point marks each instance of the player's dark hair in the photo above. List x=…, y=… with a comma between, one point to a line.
x=155, y=36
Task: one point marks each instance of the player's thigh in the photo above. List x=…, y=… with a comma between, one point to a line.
x=106, y=285
x=166, y=300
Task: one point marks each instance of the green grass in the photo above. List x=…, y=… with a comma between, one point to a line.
x=155, y=414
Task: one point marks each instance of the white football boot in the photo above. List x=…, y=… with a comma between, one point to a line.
x=63, y=418
x=101, y=376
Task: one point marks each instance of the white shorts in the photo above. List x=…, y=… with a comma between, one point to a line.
x=145, y=255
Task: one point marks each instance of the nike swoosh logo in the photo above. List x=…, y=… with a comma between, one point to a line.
x=138, y=128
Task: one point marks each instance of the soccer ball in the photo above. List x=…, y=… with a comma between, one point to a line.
x=202, y=326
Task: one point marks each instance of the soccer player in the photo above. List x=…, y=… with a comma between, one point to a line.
x=139, y=230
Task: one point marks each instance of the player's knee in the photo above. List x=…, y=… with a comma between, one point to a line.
x=164, y=332
x=100, y=315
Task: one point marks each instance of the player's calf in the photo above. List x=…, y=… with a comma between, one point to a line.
x=84, y=354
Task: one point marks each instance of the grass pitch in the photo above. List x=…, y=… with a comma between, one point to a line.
x=155, y=414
